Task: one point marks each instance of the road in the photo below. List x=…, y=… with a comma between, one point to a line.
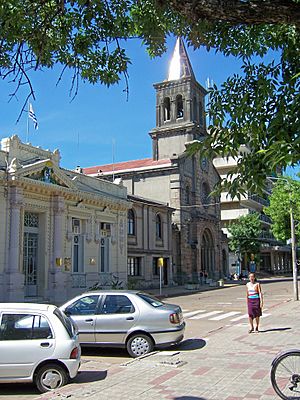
x=205, y=312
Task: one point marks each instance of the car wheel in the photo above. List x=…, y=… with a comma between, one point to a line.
x=50, y=377
x=139, y=345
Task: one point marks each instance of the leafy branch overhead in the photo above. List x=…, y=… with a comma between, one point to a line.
x=257, y=109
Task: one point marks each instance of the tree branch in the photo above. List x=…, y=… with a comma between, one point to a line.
x=238, y=12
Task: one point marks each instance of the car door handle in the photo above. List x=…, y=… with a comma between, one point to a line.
x=45, y=344
x=89, y=320
x=130, y=318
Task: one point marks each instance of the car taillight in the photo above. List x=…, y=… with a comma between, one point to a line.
x=174, y=318
x=74, y=353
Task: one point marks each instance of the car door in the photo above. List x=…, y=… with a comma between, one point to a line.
x=82, y=311
x=25, y=340
x=117, y=316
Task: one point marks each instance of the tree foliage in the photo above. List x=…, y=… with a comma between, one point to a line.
x=258, y=108
x=245, y=233
x=285, y=196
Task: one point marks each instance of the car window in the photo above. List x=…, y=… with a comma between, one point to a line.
x=153, y=301
x=24, y=327
x=86, y=305
x=117, y=304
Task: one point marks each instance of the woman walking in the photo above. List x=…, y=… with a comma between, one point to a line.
x=254, y=302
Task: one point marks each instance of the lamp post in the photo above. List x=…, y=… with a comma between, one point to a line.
x=293, y=243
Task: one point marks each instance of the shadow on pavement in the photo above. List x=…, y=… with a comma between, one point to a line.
x=14, y=389
x=275, y=330
x=89, y=376
x=190, y=344
x=104, y=352
x=189, y=398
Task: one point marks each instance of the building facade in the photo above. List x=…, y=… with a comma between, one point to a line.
x=61, y=231
x=149, y=238
x=181, y=181
x=274, y=257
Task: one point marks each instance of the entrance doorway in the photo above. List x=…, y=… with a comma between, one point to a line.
x=30, y=253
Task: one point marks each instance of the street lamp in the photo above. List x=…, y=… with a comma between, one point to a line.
x=293, y=242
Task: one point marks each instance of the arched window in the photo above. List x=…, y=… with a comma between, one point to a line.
x=201, y=114
x=167, y=109
x=158, y=227
x=187, y=195
x=131, y=222
x=195, y=108
x=179, y=106
x=205, y=192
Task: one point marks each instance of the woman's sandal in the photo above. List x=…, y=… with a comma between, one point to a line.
x=257, y=330
x=251, y=331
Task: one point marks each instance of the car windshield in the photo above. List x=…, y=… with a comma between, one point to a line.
x=153, y=301
x=66, y=321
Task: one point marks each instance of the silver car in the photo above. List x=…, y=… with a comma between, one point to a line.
x=39, y=344
x=131, y=319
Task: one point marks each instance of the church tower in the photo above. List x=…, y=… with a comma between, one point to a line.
x=180, y=114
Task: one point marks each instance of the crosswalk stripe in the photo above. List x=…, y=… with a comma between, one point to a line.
x=265, y=315
x=192, y=313
x=223, y=316
x=209, y=314
x=239, y=318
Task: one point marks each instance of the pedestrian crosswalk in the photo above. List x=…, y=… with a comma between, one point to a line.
x=217, y=315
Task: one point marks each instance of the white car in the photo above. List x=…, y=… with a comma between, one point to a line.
x=125, y=318
x=39, y=344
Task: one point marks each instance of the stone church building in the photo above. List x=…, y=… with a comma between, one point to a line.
x=181, y=181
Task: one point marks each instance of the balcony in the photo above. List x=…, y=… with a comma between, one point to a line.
x=259, y=199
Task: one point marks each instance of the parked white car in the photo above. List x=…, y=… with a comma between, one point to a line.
x=125, y=318
x=39, y=344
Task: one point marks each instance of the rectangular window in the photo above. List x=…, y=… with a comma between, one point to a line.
x=104, y=254
x=24, y=327
x=78, y=266
x=134, y=266
x=155, y=266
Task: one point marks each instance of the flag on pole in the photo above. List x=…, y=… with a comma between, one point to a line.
x=32, y=116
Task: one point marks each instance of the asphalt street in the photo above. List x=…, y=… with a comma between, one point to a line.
x=205, y=313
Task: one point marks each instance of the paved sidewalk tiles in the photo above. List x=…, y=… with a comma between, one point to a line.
x=229, y=365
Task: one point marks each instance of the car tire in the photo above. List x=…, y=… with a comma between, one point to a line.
x=50, y=377
x=139, y=345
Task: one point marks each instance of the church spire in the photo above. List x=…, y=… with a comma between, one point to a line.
x=180, y=65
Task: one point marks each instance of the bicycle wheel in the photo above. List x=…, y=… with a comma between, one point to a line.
x=285, y=375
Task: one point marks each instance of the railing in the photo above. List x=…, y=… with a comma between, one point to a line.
x=78, y=280
x=259, y=199
x=265, y=218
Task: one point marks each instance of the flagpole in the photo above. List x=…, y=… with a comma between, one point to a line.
x=27, y=131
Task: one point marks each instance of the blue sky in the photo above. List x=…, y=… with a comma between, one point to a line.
x=84, y=129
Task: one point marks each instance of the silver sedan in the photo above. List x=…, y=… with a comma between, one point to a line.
x=131, y=319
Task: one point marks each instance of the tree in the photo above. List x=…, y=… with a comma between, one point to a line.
x=258, y=108
x=244, y=235
x=285, y=196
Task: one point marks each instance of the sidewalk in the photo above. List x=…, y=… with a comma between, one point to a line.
x=228, y=364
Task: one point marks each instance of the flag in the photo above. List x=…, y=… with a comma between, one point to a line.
x=32, y=116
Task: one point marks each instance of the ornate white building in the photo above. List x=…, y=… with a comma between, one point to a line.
x=61, y=231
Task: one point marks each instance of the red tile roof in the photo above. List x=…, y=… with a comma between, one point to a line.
x=146, y=163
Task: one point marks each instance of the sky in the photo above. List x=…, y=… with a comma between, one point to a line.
x=101, y=125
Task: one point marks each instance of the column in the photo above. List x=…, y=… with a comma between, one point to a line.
x=57, y=276
x=14, y=277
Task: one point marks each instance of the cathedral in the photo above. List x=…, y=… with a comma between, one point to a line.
x=182, y=182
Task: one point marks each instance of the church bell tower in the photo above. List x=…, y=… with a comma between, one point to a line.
x=180, y=103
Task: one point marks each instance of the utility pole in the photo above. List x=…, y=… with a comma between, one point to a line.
x=294, y=255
